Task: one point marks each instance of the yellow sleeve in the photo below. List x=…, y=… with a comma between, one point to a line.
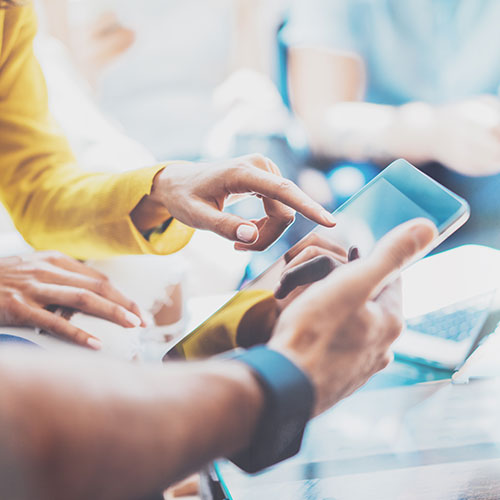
x=247, y=319
x=53, y=203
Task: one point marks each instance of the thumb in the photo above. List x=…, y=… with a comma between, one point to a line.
x=228, y=226
x=396, y=249
x=352, y=285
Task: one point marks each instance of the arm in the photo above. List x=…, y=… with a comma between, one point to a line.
x=327, y=88
x=90, y=428
x=106, y=430
x=53, y=202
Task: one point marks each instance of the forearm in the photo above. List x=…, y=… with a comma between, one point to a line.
x=363, y=131
x=116, y=431
x=327, y=90
x=54, y=203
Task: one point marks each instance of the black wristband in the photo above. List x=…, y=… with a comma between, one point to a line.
x=289, y=402
x=158, y=229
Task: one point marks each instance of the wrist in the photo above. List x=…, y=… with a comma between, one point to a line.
x=288, y=405
x=247, y=407
x=164, y=183
x=328, y=382
x=159, y=188
x=413, y=134
x=150, y=212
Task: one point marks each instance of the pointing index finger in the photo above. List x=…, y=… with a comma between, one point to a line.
x=283, y=190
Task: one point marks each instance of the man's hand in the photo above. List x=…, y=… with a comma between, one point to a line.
x=30, y=283
x=465, y=136
x=196, y=193
x=338, y=332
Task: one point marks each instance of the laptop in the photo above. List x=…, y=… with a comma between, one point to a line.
x=460, y=308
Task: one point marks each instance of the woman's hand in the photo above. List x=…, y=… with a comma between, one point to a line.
x=30, y=283
x=196, y=193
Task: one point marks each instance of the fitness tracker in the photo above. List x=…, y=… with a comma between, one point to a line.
x=289, y=402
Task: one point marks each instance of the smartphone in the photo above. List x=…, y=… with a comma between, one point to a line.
x=399, y=193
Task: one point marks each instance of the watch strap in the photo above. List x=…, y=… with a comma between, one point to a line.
x=289, y=402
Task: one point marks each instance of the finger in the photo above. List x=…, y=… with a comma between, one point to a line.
x=87, y=302
x=70, y=264
x=312, y=252
x=390, y=301
x=390, y=297
x=114, y=41
x=260, y=161
x=353, y=284
x=259, y=224
x=396, y=249
x=304, y=274
x=280, y=189
x=67, y=271
x=104, y=20
x=278, y=218
x=314, y=239
x=100, y=285
x=50, y=322
x=227, y=225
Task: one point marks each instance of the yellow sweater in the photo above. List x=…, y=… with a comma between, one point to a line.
x=55, y=204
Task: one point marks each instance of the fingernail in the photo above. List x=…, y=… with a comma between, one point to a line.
x=247, y=234
x=329, y=218
x=94, y=343
x=353, y=254
x=423, y=233
x=132, y=318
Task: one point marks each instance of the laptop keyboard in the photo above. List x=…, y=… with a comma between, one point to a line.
x=457, y=321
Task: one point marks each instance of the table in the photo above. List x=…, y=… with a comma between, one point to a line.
x=432, y=441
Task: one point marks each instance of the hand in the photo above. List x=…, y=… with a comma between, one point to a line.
x=466, y=136
x=310, y=260
x=195, y=194
x=97, y=44
x=338, y=333
x=30, y=283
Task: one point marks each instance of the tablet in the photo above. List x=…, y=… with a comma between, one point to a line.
x=399, y=193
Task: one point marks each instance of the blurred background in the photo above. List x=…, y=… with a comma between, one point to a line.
x=331, y=90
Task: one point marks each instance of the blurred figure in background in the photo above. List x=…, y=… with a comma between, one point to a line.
x=96, y=41
x=381, y=79
x=173, y=56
